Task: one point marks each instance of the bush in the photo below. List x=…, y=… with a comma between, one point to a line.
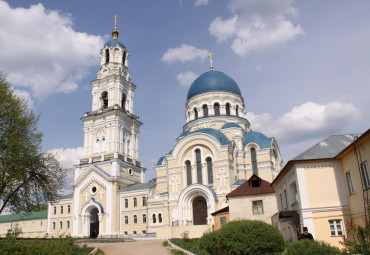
x=211, y=242
x=308, y=247
x=243, y=237
x=58, y=246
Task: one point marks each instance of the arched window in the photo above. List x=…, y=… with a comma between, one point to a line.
x=209, y=170
x=217, y=108
x=135, y=202
x=126, y=220
x=123, y=103
x=107, y=56
x=61, y=210
x=199, y=165
x=135, y=219
x=237, y=110
x=53, y=225
x=227, y=109
x=154, y=218
x=124, y=57
x=144, y=218
x=205, y=110
x=55, y=210
x=254, y=160
x=160, y=218
x=68, y=224
x=195, y=113
x=61, y=225
x=68, y=209
x=188, y=172
x=126, y=203
x=104, y=99
x=144, y=201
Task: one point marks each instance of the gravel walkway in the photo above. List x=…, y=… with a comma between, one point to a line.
x=142, y=247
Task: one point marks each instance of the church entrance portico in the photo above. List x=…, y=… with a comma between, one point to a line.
x=92, y=219
x=196, y=202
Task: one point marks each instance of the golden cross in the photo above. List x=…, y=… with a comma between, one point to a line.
x=115, y=21
x=210, y=59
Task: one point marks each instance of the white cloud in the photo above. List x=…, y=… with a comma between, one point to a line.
x=257, y=25
x=186, y=78
x=200, y=2
x=42, y=51
x=26, y=96
x=67, y=158
x=306, y=121
x=184, y=53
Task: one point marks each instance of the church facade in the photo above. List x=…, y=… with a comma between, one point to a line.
x=214, y=153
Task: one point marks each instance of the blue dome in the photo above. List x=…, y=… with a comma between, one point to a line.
x=213, y=81
x=230, y=125
x=258, y=138
x=213, y=132
x=113, y=43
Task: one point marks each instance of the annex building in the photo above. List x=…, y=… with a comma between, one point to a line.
x=215, y=152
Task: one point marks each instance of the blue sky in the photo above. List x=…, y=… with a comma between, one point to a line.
x=302, y=66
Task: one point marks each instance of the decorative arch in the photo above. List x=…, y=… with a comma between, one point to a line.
x=92, y=218
x=107, y=56
x=187, y=197
x=104, y=99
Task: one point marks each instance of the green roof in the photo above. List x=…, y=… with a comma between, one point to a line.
x=24, y=216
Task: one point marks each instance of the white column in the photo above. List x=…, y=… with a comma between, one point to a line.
x=137, y=146
x=91, y=140
x=85, y=141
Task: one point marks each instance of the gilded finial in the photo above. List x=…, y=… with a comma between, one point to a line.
x=115, y=21
x=210, y=60
x=115, y=32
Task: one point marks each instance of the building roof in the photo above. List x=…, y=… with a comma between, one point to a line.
x=223, y=210
x=230, y=125
x=258, y=138
x=113, y=43
x=327, y=148
x=138, y=186
x=248, y=187
x=350, y=147
x=24, y=216
x=213, y=81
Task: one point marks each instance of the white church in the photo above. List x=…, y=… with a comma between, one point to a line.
x=215, y=152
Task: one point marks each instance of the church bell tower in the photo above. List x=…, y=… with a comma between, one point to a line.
x=111, y=145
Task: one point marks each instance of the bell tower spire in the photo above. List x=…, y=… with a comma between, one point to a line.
x=115, y=32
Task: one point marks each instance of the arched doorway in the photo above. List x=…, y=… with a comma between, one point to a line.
x=199, y=211
x=94, y=223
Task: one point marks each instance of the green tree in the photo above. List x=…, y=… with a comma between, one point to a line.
x=28, y=177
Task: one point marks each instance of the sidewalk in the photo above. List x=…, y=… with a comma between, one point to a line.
x=142, y=247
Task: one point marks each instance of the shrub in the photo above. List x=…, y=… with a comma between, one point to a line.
x=211, y=243
x=243, y=237
x=357, y=240
x=308, y=247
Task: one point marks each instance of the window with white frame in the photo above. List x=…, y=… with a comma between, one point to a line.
x=126, y=219
x=293, y=189
x=68, y=209
x=281, y=201
x=365, y=174
x=126, y=203
x=286, y=199
x=53, y=225
x=135, y=202
x=61, y=210
x=135, y=219
x=336, y=227
x=144, y=201
x=351, y=190
x=257, y=207
x=55, y=210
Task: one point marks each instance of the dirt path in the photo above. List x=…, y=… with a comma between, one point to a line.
x=142, y=247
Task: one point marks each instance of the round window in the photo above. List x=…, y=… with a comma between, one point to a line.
x=93, y=190
x=130, y=171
